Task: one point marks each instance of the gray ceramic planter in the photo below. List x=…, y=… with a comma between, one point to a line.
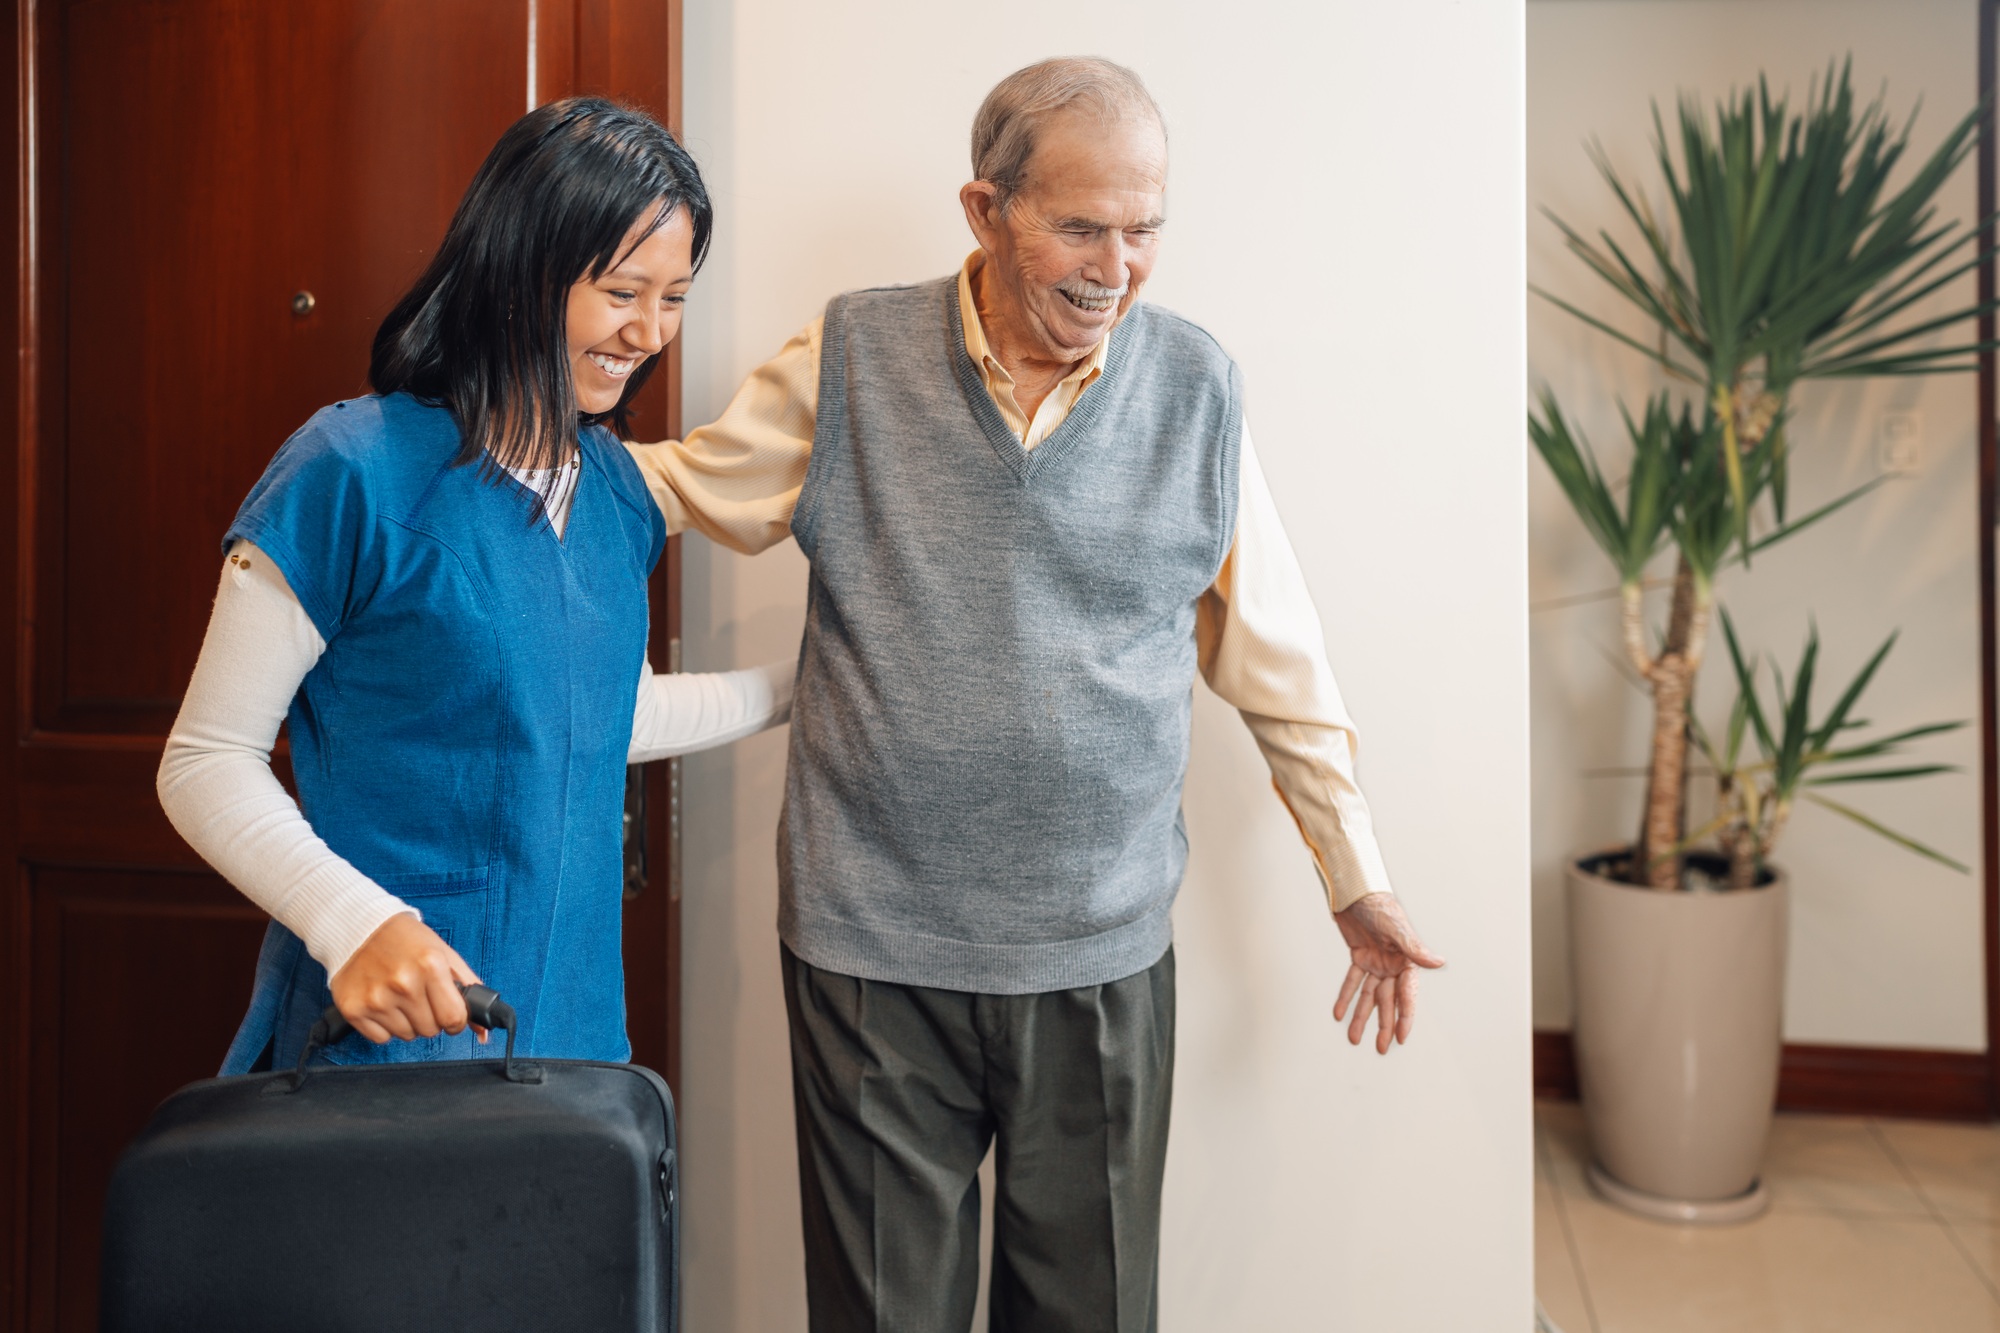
x=1679, y=1015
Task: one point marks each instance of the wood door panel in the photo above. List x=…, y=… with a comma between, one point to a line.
x=183, y=167
x=96, y=804
x=629, y=51
x=177, y=241
x=106, y=1047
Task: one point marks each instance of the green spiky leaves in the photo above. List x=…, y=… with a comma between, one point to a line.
x=1796, y=753
x=1790, y=258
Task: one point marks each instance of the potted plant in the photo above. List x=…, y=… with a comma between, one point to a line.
x=1791, y=260
x=1682, y=1020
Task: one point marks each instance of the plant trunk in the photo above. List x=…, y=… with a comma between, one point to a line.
x=1680, y=631
x=1658, y=864
x=1743, y=860
x=1749, y=848
x=1656, y=861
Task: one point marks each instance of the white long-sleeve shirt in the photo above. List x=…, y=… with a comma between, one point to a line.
x=217, y=787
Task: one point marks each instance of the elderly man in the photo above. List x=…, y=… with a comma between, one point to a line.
x=1032, y=512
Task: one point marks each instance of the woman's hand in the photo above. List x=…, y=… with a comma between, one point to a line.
x=403, y=982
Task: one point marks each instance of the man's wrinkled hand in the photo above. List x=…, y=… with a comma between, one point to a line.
x=1382, y=978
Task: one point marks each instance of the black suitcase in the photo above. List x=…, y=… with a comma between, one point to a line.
x=488, y=1195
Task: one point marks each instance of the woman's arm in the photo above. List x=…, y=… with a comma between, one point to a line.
x=679, y=714
x=216, y=784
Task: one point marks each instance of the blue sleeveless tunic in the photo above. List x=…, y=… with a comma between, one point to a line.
x=462, y=741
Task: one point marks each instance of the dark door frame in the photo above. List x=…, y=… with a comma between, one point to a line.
x=1989, y=515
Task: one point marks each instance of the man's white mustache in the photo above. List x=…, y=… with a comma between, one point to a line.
x=1090, y=291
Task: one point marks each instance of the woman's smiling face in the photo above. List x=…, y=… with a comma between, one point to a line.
x=630, y=311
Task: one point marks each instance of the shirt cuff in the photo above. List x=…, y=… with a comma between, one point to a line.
x=335, y=908
x=1349, y=862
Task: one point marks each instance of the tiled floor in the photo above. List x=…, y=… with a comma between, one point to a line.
x=1874, y=1225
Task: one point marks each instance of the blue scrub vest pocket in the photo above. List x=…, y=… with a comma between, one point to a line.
x=455, y=905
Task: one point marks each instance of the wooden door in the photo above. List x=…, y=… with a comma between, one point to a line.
x=215, y=202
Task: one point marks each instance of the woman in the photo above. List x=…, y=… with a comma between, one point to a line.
x=443, y=587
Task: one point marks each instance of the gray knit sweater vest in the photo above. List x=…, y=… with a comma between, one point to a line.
x=990, y=732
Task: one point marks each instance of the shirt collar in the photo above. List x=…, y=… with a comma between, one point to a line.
x=981, y=351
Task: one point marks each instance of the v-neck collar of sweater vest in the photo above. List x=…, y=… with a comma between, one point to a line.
x=1027, y=464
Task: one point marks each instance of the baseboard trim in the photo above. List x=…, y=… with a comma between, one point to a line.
x=1839, y=1080
x=1555, y=1067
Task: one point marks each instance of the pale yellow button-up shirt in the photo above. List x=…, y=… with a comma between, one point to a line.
x=1257, y=634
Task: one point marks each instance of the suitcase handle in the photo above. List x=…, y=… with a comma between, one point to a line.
x=483, y=1007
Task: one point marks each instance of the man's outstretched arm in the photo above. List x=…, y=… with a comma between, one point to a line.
x=735, y=480
x=1262, y=650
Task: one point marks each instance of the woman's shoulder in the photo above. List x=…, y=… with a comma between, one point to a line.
x=363, y=456
x=383, y=451
x=316, y=511
x=378, y=433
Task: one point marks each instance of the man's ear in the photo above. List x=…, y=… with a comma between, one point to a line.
x=981, y=200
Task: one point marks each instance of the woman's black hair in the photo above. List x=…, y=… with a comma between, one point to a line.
x=483, y=330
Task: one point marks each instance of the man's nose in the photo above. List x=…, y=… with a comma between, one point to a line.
x=1109, y=263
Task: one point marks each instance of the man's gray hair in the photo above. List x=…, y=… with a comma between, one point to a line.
x=1003, y=133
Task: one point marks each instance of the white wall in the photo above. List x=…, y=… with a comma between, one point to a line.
x=1885, y=946
x=1346, y=216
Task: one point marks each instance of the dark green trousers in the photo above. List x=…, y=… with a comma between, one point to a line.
x=899, y=1090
